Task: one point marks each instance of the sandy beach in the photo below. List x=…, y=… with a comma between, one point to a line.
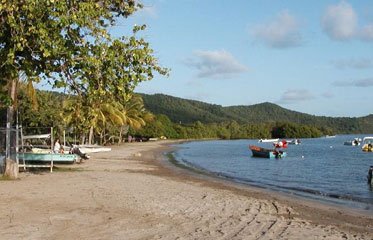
x=133, y=192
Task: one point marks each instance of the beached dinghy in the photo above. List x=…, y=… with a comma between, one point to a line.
x=92, y=148
x=47, y=157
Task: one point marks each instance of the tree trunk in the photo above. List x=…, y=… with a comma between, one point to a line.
x=102, y=134
x=120, y=135
x=11, y=169
x=82, y=139
x=90, y=137
x=11, y=166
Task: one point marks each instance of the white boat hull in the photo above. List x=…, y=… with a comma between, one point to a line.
x=269, y=140
x=86, y=149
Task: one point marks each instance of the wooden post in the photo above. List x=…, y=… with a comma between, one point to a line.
x=52, y=140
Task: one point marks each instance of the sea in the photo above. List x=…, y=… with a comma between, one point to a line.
x=322, y=169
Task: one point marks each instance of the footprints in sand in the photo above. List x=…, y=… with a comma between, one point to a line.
x=219, y=217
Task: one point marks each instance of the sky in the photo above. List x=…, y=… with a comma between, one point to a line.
x=314, y=57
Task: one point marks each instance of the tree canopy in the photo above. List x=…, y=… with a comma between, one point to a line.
x=68, y=44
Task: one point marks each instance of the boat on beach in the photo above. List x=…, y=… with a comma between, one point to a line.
x=92, y=148
x=266, y=153
x=47, y=157
x=42, y=155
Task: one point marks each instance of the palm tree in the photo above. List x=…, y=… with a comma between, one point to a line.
x=99, y=116
x=94, y=116
x=136, y=114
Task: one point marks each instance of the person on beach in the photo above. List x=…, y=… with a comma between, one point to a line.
x=57, y=146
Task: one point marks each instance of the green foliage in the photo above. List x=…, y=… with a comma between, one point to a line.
x=45, y=115
x=65, y=112
x=163, y=126
x=69, y=45
x=189, y=111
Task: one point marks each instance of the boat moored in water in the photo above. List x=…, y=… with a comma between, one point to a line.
x=266, y=153
x=294, y=142
x=355, y=142
x=269, y=140
x=367, y=144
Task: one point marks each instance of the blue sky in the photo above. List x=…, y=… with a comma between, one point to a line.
x=314, y=57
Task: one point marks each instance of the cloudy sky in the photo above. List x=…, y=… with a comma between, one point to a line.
x=314, y=57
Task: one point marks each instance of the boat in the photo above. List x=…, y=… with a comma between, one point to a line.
x=39, y=136
x=330, y=136
x=294, y=142
x=280, y=144
x=355, y=142
x=47, y=157
x=266, y=153
x=40, y=150
x=367, y=144
x=269, y=140
x=92, y=148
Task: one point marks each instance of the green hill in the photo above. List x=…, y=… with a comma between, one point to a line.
x=189, y=111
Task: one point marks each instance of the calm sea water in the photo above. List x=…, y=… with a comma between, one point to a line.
x=321, y=168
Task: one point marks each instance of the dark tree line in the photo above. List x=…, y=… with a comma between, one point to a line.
x=163, y=126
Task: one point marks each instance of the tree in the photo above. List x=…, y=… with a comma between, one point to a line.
x=67, y=43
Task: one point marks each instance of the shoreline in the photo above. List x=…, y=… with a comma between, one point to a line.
x=133, y=192
x=361, y=207
x=330, y=211
x=365, y=208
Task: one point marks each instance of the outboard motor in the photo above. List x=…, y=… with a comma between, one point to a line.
x=370, y=173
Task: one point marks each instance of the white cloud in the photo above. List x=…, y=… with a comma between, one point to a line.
x=295, y=96
x=219, y=64
x=281, y=32
x=339, y=21
x=366, y=33
x=365, y=82
x=361, y=63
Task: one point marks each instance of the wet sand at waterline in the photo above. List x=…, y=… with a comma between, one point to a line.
x=133, y=192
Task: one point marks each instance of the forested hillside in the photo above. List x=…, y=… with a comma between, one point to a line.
x=189, y=111
x=188, y=119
